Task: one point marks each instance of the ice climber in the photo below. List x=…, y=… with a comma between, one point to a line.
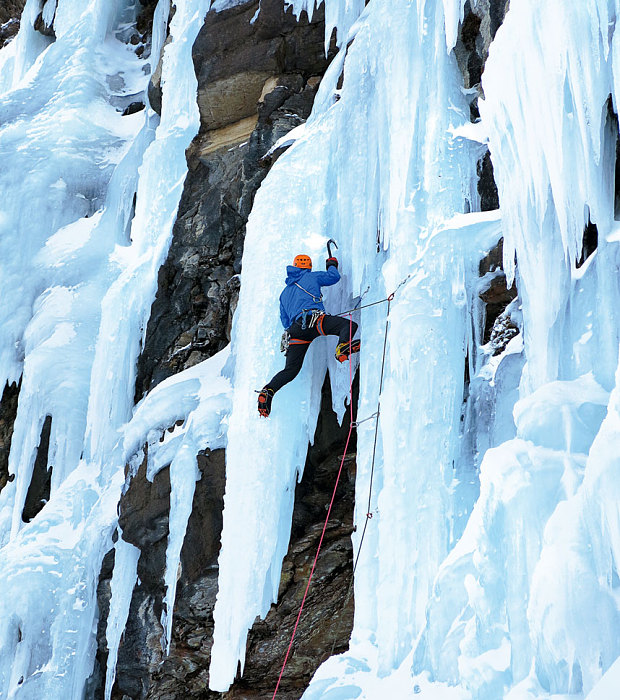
x=303, y=316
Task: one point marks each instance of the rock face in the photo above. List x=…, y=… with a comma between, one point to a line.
x=328, y=615
x=480, y=23
x=8, y=411
x=10, y=13
x=494, y=292
x=40, y=483
x=255, y=83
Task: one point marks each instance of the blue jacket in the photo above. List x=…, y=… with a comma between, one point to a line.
x=294, y=300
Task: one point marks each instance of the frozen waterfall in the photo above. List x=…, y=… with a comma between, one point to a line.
x=384, y=166
x=87, y=212
x=490, y=568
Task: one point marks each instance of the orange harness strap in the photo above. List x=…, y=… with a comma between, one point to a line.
x=319, y=325
x=297, y=341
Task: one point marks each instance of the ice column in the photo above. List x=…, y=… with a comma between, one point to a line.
x=378, y=170
x=78, y=282
x=545, y=110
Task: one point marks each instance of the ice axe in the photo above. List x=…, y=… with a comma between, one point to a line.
x=331, y=242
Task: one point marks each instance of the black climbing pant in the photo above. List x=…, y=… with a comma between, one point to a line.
x=300, y=342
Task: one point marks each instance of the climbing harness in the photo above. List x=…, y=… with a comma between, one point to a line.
x=309, y=317
x=306, y=322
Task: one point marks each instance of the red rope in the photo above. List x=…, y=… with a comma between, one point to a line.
x=329, y=510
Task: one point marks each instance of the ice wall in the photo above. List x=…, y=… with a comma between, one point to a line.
x=527, y=600
x=499, y=608
x=489, y=584
x=532, y=559
x=88, y=206
x=377, y=172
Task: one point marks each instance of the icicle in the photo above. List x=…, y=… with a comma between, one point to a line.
x=20, y=54
x=123, y=581
x=339, y=15
x=183, y=476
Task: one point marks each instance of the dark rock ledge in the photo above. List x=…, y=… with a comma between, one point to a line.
x=10, y=15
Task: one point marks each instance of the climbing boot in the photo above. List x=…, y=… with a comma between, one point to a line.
x=265, y=396
x=344, y=350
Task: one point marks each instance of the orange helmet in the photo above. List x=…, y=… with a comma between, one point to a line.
x=303, y=261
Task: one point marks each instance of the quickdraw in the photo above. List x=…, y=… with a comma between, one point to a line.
x=285, y=341
x=315, y=315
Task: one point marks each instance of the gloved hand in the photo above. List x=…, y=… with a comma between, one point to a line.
x=331, y=261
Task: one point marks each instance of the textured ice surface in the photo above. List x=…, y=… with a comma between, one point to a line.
x=353, y=676
x=386, y=186
x=490, y=567
x=536, y=571
x=79, y=271
x=608, y=686
x=74, y=162
x=480, y=579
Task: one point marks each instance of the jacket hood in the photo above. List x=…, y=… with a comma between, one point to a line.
x=294, y=274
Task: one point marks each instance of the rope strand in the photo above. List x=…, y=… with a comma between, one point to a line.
x=329, y=510
x=374, y=452
x=352, y=425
